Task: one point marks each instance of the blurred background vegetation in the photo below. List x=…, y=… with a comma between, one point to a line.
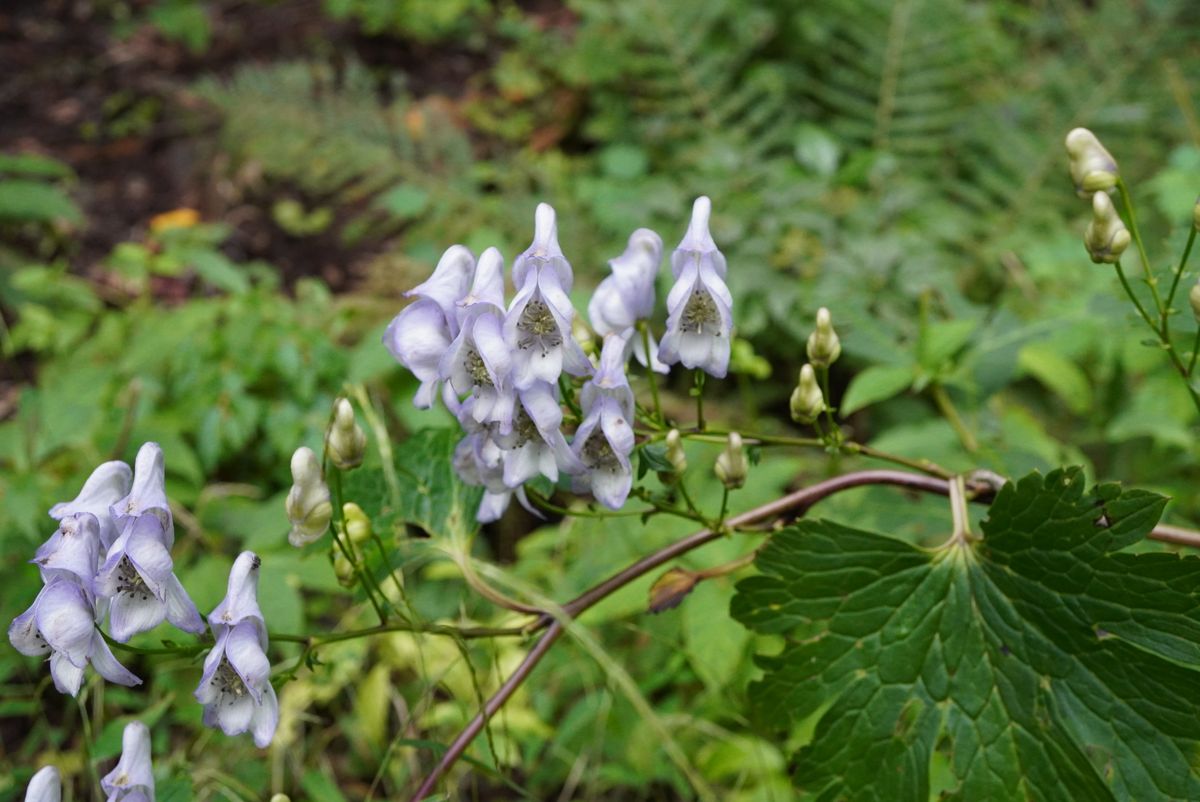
x=209, y=211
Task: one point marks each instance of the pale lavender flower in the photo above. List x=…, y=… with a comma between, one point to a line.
x=235, y=688
x=538, y=324
x=422, y=332
x=138, y=577
x=479, y=461
x=241, y=597
x=72, y=551
x=61, y=622
x=479, y=361
x=148, y=494
x=626, y=297
x=107, y=485
x=536, y=444
x=605, y=438
x=132, y=780
x=46, y=786
x=699, y=306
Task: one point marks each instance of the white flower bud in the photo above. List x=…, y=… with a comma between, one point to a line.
x=824, y=347
x=732, y=466
x=1093, y=169
x=1194, y=300
x=1106, y=237
x=308, y=507
x=345, y=442
x=807, y=401
x=675, y=453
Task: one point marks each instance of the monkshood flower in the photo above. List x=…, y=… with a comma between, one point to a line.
x=538, y=324
x=133, y=778
x=479, y=361
x=699, y=306
x=235, y=688
x=604, y=439
x=308, y=507
x=138, y=578
x=241, y=597
x=46, y=786
x=107, y=485
x=148, y=494
x=627, y=296
x=479, y=461
x=73, y=551
x=536, y=444
x=420, y=334
x=62, y=623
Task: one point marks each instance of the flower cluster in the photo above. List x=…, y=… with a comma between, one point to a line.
x=500, y=366
x=236, y=687
x=110, y=555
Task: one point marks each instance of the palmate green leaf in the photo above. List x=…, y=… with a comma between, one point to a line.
x=1037, y=663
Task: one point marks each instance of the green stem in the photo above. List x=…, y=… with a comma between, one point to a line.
x=644, y=327
x=1187, y=251
x=950, y=413
x=549, y=506
x=1127, y=200
x=93, y=775
x=1184, y=371
x=337, y=529
x=724, y=508
x=834, y=432
x=699, y=390
x=1129, y=292
x=396, y=580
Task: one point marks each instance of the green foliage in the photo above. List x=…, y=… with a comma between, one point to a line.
x=1037, y=663
x=422, y=20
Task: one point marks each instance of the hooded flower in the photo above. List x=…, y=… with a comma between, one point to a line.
x=627, y=296
x=46, y=786
x=605, y=439
x=538, y=324
x=479, y=461
x=133, y=778
x=148, y=494
x=138, y=577
x=236, y=686
x=308, y=507
x=73, y=551
x=479, y=361
x=699, y=306
x=536, y=444
x=104, y=488
x=420, y=334
x=61, y=622
x=241, y=597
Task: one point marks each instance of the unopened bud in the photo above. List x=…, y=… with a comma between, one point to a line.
x=1106, y=237
x=732, y=466
x=1093, y=169
x=358, y=525
x=675, y=453
x=281, y=798
x=824, y=347
x=308, y=507
x=807, y=401
x=345, y=442
x=1194, y=300
x=343, y=569
x=670, y=589
x=1196, y=214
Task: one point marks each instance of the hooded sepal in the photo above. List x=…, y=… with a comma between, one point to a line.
x=133, y=777
x=107, y=485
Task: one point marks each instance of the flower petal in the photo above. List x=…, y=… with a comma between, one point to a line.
x=234, y=713
x=266, y=718
x=181, y=610
x=107, y=665
x=449, y=283
x=104, y=488
x=72, y=551
x=46, y=786
x=133, y=771
x=149, y=492
x=66, y=620
x=23, y=632
x=241, y=596
x=246, y=656
x=130, y=614
x=67, y=676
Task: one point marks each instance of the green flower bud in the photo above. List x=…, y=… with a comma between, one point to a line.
x=345, y=442
x=732, y=466
x=343, y=569
x=807, y=401
x=824, y=347
x=675, y=453
x=358, y=525
x=1106, y=237
x=1196, y=214
x=308, y=506
x=1093, y=169
x=1194, y=300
